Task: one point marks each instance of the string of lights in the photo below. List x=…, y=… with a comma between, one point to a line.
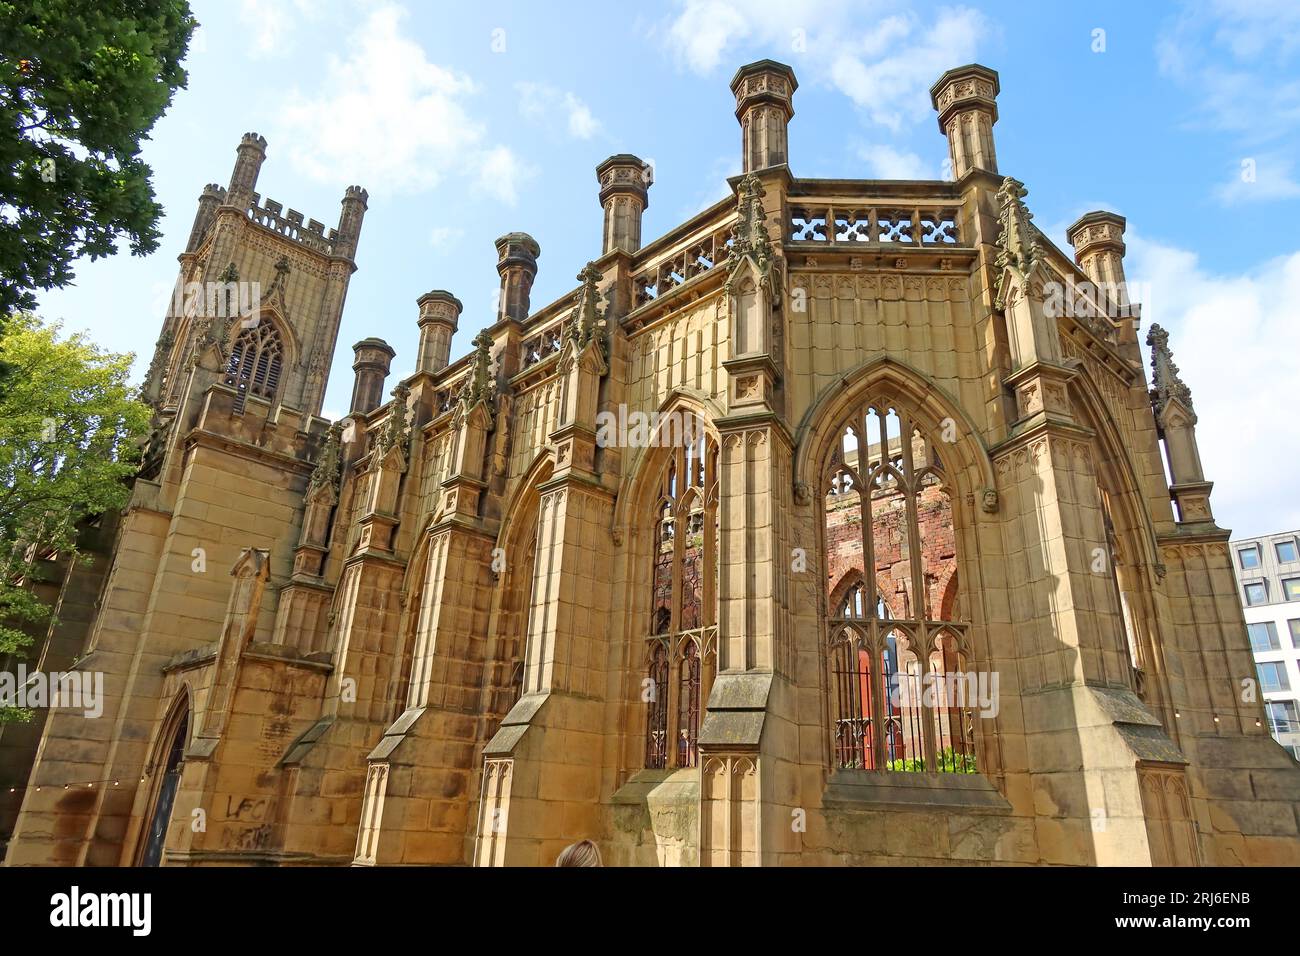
x=83, y=785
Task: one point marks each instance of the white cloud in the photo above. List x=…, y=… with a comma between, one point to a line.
x=1260, y=179
x=885, y=68
x=581, y=123
x=714, y=185
x=270, y=24
x=1252, y=28
x=894, y=87
x=443, y=236
x=1233, y=55
x=388, y=118
x=704, y=29
x=501, y=172
x=885, y=162
x=1236, y=340
x=539, y=103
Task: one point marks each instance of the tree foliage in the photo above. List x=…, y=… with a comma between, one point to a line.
x=81, y=84
x=70, y=429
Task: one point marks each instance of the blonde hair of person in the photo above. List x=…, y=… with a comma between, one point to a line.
x=583, y=853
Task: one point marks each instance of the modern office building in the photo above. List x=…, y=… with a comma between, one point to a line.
x=1268, y=576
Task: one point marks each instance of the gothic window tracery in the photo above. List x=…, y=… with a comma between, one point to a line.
x=899, y=680
x=681, y=648
x=255, y=363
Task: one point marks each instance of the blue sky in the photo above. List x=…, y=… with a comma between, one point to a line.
x=467, y=121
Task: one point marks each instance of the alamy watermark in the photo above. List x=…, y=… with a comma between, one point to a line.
x=75, y=908
x=946, y=690
x=1094, y=300
x=218, y=300
x=75, y=690
x=626, y=428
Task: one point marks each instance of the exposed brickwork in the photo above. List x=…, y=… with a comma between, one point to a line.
x=893, y=552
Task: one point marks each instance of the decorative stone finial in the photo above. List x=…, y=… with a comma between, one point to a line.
x=752, y=238
x=161, y=353
x=328, y=462
x=1018, y=246
x=397, y=428
x=214, y=330
x=587, y=324
x=1166, y=384
x=479, y=385
x=281, y=273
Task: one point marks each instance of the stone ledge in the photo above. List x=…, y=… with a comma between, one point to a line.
x=885, y=790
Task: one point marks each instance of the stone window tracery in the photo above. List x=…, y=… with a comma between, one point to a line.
x=901, y=690
x=255, y=363
x=681, y=647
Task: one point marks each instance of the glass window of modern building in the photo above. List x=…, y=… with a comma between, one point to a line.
x=1283, y=716
x=1263, y=636
x=1272, y=676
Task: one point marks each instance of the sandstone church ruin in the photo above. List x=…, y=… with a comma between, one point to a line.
x=457, y=628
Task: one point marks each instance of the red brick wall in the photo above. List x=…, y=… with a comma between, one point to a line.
x=937, y=546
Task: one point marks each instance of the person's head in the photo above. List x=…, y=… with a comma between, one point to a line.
x=583, y=853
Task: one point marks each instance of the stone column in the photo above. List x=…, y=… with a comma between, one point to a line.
x=624, y=181
x=373, y=359
x=517, y=254
x=966, y=99
x=416, y=805
x=1098, y=241
x=764, y=92
x=439, y=315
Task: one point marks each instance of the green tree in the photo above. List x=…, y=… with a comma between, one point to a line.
x=81, y=84
x=70, y=429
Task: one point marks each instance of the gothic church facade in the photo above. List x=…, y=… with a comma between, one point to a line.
x=467, y=626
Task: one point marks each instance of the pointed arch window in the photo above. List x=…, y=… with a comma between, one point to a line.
x=900, y=691
x=256, y=360
x=681, y=648
x=1121, y=587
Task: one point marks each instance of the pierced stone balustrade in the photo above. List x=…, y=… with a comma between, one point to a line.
x=683, y=265
x=921, y=224
x=543, y=344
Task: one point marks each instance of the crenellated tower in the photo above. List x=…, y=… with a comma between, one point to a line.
x=265, y=286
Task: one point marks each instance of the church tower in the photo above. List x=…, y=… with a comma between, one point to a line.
x=265, y=287
x=200, y=563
